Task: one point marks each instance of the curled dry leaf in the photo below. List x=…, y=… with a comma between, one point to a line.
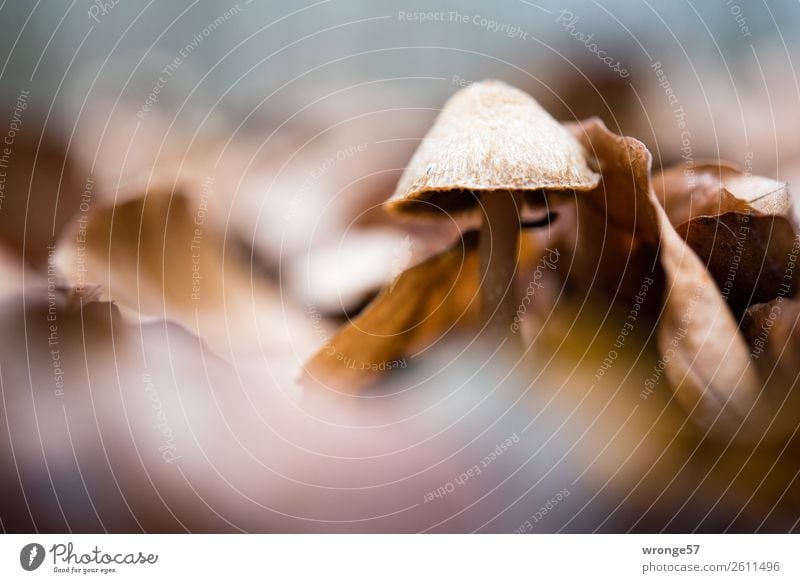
x=773, y=332
x=608, y=234
x=703, y=356
x=748, y=255
x=739, y=225
x=156, y=257
x=425, y=302
x=709, y=189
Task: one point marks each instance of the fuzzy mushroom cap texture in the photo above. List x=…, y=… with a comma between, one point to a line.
x=490, y=137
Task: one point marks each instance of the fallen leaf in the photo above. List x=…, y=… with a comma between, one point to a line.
x=773, y=332
x=703, y=356
x=710, y=189
x=41, y=187
x=738, y=224
x=749, y=255
x=157, y=257
x=424, y=303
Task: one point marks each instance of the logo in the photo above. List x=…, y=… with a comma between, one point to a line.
x=31, y=556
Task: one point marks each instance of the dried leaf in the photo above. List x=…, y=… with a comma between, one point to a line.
x=157, y=257
x=424, y=303
x=748, y=255
x=773, y=332
x=710, y=189
x=738, y=224
x=703, y=356
x=41, y=187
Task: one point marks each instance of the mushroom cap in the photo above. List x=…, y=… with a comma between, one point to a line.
x=490, y=137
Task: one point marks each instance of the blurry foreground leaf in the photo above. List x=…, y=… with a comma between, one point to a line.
x=157, y=258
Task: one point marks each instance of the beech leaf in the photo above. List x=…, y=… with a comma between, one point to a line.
x=773, y=332
x=710, y=189
x=421, y=305
x=703, y=355
x=748, y=255
x=157, y=257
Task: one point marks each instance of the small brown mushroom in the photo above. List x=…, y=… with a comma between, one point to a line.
x=495, y=148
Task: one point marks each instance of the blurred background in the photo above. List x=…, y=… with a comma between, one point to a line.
x=190, y=207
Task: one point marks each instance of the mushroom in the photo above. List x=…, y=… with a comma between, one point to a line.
x=493, y=147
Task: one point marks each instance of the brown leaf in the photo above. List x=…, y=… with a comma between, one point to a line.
x=157, y=257
x=773, y=332
x=425, y=303
x=41, y=188
x=748, y=255
x=738, y=224
x=703, y=356
x=710, y=189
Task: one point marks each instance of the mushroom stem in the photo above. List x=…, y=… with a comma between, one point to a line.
x=498, y=250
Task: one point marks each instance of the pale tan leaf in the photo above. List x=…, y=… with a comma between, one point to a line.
x=158, y=257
